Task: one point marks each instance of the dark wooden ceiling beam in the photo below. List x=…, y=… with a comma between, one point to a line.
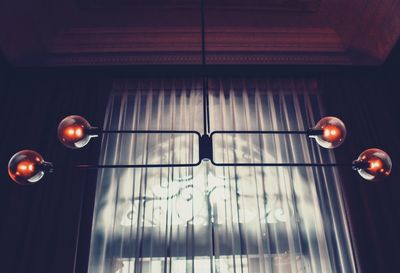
x=338, y=32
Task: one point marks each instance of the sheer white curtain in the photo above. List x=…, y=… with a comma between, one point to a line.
x=217, y=219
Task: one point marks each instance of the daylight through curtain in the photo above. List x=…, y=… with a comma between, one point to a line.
x=217, y=219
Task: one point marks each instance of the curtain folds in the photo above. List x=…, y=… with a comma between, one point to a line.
x=217, y=219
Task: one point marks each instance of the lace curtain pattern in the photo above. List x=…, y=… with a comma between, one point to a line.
x=217, y=219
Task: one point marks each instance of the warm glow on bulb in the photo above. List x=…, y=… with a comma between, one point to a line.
x=25, y=168
x=374, y=164
x=73, y=133
x=331, y=133
x=79, y=132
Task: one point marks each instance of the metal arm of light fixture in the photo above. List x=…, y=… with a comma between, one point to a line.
x=95, y=131
x=206, y=110
x=354, y=165
x=309, y=132
x=206, y=150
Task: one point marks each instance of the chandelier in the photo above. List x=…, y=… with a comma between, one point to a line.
x=27, y=167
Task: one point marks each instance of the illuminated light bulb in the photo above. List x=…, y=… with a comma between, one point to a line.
x=329, y=132
x=28, y=167
x=75, y=132
x=373, y=164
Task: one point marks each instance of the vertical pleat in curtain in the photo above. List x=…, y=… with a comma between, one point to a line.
x=217, y=219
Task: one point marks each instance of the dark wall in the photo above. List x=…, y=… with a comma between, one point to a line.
x=369, y=103
x=39, y=225
x=368, y=100
x=4, y=69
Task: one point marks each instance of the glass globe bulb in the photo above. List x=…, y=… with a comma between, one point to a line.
x=330, y=132
x=74, y=132
x=28, y=167
x=373, y=164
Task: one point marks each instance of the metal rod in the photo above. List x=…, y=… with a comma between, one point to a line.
x=218, y=164
x=206, y=110
x=282, y=164
x=197, y=133
x=132, y=166
x=203, y=34
x=148, y=132
x=307, y=132
x=205, y=113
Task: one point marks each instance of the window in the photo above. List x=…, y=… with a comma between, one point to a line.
x=217, y=219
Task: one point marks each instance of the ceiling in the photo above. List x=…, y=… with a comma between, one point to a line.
x=124, y=32
x=276, y=5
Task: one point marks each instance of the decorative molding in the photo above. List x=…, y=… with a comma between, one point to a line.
x=270, y=5
x=195, y=58
x=218, y=39
x=240, y=45
x=168, y=45
x=122, y=59
x=279, y=58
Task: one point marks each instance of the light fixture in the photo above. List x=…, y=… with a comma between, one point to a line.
x=27, y=167
x=373, y=164
x=333, y=132
x=70, y=125
x=75, y=132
